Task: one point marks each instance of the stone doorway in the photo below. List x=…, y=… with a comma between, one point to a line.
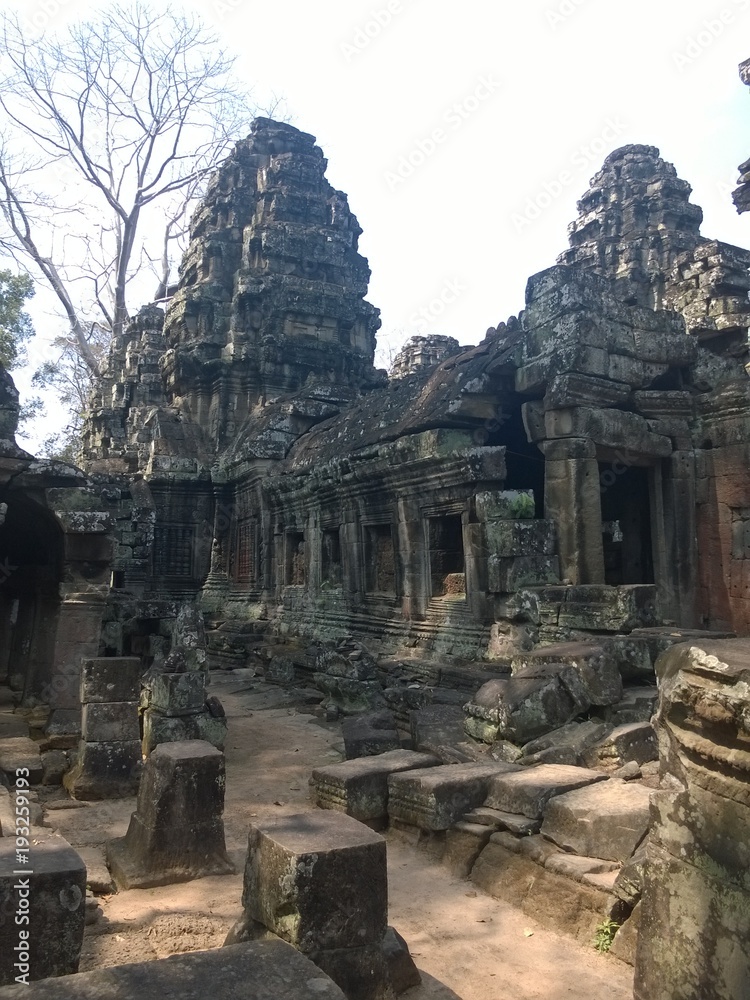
x=446, y=546
x=626, y=524
x=31, y=560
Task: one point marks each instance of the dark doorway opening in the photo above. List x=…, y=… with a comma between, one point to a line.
x=446, y=544
x=626, y=524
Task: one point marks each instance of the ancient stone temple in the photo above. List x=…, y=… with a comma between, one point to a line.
x=558, y=480
x=575, y=462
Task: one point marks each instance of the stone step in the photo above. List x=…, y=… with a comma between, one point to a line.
x=528, y=790
x=360, y=787
x=436, y=799
x=609, y=819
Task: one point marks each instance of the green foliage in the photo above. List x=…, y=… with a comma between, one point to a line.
x=605, y=935
x=15, y=324
x=523, y=507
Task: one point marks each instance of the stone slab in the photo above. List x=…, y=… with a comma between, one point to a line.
x=360, y=787
x=19, y=753
x=56, y=896
x=268, y=970
x=528, y=790
x=436, y=798
x=318, y=880
x=605, y=820
x=111, y=678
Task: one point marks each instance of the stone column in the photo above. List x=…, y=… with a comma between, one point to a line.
x=572, y=498
x=78, y=632
x=109, y=754
x=413, y=560
x=677, y=583
x=352, y=562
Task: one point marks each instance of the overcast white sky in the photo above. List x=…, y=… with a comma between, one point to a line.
x=501, y=106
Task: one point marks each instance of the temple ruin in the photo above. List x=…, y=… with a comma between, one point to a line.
x=482, y=561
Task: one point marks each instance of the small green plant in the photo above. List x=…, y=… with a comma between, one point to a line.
x=605, y=935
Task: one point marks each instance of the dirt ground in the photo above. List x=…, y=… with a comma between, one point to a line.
x=466, y=944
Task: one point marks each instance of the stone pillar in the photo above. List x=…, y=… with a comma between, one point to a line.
x=79, y=626
x=677, y=585
x=413, y=560
x=319, y=881
x=53, y=897
x=572, y=498
x=176, y=833
x=109, y=753
x=695, y=912
x=475, y=568
x=352, y=562
x=314, y=554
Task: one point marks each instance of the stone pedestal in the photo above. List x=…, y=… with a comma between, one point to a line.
x=109, y=753
x=176, y=833
x=50, y=904
x=319, y=881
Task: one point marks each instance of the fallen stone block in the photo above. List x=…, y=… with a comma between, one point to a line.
x=54, y=763
x=19, y=753
x=360, y=787
x=535, y=701
x=436, y=798
x=369, y=735
x=635, y=742
x=105, y=770
x=528, y=790
x=596, y=668
x=577, y=736
x=176, y=833
x=53, y=897
x=606, y=820
x=437, y=726
x=267, y=970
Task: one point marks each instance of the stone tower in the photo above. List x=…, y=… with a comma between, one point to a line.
x=271, y=289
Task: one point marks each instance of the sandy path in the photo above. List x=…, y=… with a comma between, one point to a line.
x=467, y=944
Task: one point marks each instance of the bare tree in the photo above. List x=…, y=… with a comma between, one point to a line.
x=105, y=138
